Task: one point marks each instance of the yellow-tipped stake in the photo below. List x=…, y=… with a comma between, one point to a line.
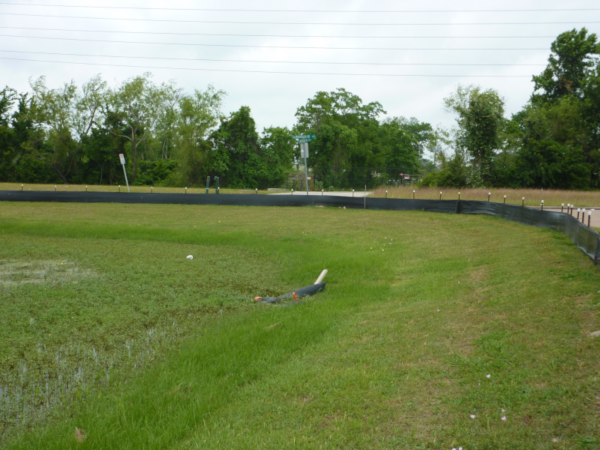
x=414, y=193
x=440, y=195
x=459, y=196
x=489, y=196
x=505, y=199
x=523, y=201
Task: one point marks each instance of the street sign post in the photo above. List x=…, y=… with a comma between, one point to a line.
x=305, y=136
x=303, y=140
x=122, y=158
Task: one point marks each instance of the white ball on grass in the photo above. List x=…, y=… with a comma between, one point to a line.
x=191, y=258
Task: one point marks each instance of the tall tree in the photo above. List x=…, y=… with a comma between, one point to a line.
x=67, y=115
x=404, y=141
x=7, y=99
x=480, y=126
x=277, y=149
x=196, y=118
x=574, y=55
x=347, y=136
x=551, y=145
x=237, y=154
x=139, y=104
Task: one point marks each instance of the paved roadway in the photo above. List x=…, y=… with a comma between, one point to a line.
x=595, y=214
x=336, y=194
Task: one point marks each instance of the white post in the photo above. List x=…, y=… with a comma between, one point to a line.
x=306, y=165
x=124, y=171
x=321, y=277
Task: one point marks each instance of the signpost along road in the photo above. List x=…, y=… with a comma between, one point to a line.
x=303, y=140
x=122, y=158
x=305, y=136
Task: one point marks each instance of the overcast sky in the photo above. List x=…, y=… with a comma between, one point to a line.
x=274, y=98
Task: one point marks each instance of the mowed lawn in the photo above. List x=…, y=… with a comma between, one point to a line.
x=463, y=331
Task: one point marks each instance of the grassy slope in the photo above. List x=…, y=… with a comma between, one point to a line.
x=371, y=363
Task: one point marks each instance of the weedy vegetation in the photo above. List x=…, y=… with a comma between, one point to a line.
x=123, y=189
x=434, y=332
x=533, y=197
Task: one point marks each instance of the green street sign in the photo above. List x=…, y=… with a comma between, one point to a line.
x=305, y=136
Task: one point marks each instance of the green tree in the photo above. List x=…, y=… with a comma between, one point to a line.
x=453, y=171
x=480, y=126
x=552, y=140
x=7, y=100
x=139, y=104
x=196, y=118
x=237, y=154
x=403, y=143
x=574, y=56
x=277, y=149
x=67, y=116
x=348, y=136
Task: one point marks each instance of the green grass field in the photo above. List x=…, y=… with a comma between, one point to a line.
x=428, y=341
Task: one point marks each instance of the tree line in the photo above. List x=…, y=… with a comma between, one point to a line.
x=553, y=142
x=74, y=134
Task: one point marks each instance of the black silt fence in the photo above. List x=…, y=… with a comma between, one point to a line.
x=585, y=238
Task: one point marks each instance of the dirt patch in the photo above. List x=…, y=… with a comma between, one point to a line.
x=18, y=273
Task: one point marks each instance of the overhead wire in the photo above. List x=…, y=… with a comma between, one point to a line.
x=272, y=35
x=268, y=71
x=272, y=46
x=296, y=11
x=45, y=16
x=269, y=62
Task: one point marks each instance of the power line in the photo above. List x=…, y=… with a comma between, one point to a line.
x=268, y=62
x=278, y=35
x=274, y=46
x=267, y=71
x=51, y=5
x=45, y=16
